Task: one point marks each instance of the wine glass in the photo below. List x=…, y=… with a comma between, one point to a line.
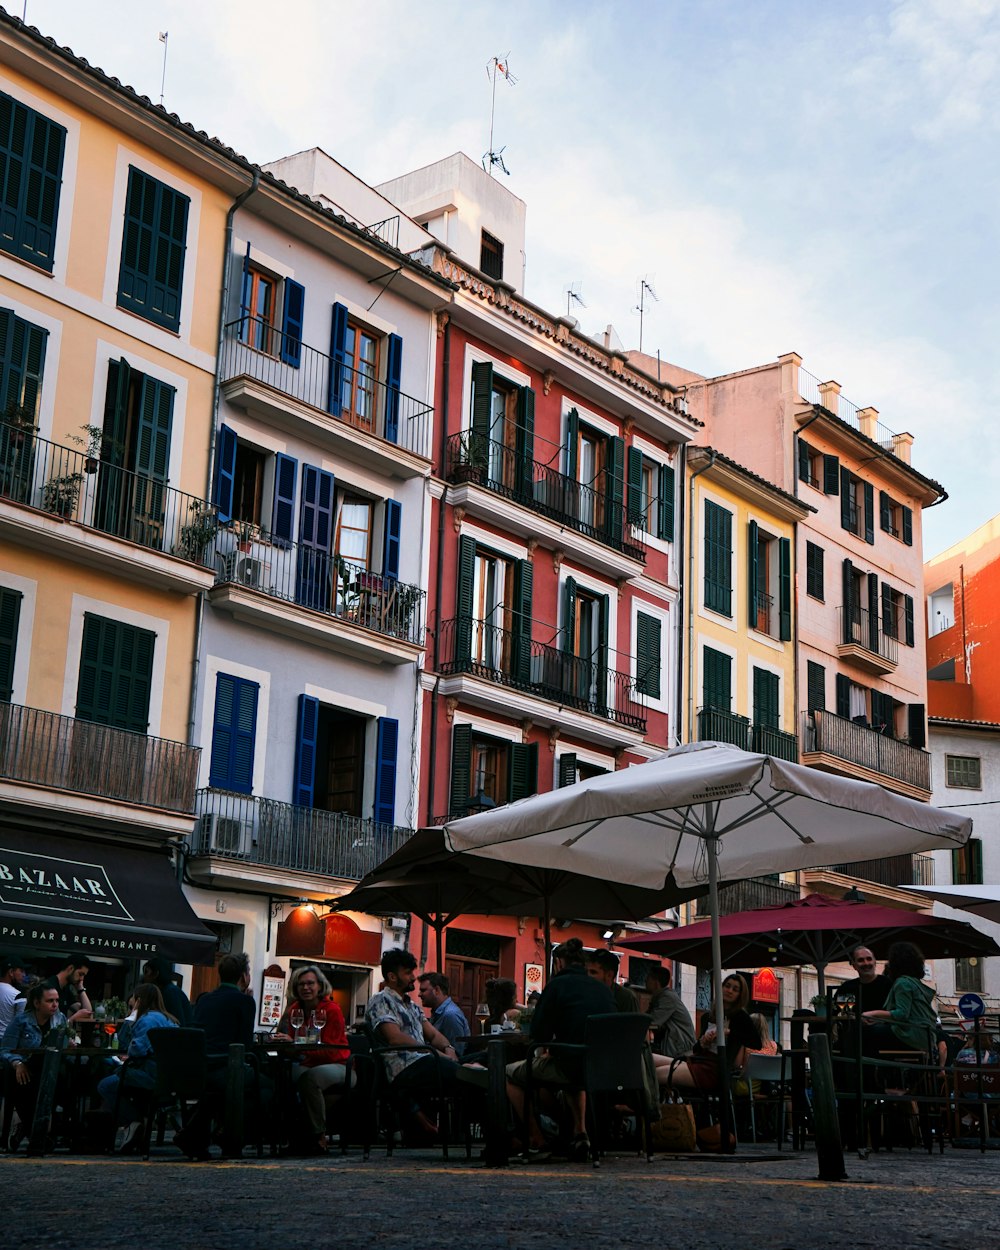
x=296, y=1018
x=319, y=1021
x=482, y=1014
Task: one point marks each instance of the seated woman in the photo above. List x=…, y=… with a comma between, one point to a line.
x=908, y=1020
x=316, y=1071
x=138, y=1070
x=28, y=1030
x=700, y=1069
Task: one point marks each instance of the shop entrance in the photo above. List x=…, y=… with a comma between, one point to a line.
x=471, y=959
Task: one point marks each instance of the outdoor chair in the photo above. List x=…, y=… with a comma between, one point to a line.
x=618, y=1069
x=770, y=1070
x=181, y=1073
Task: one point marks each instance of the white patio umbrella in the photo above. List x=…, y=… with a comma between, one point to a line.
x=707, y=812
x=979, y=900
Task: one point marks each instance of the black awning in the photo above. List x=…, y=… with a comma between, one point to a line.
x=61, y=894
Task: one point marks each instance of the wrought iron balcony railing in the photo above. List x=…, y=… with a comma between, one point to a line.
x=251, y=830
x=246, y=556
x=861, y=626
x=716, y=725
x=62, y=753
x=103, y=496
x=749, y=894
x=824, y=732
x=588, y=509
x=896, y=870
x=255, y=349
x=511, y=658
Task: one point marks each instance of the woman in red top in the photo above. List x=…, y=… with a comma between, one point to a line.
x=316, y=1071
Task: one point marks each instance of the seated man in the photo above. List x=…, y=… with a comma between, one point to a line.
x=12, y=989
x=69, y=981
x=603, y=966
x=396, y=1019
x=446, y=1015
x=672, y=1027
x=560, y=1016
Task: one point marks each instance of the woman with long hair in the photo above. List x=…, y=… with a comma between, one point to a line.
x=908, y=1018
x=138, y=1071
x=323, y=1067
x=700, y=1068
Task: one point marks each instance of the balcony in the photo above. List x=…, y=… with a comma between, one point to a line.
x=715, y=725
x=347, y=410
x=897, y=870
x=502, y=657
x=95, y=497
x=296, y=590
x=242, y=830
x=544, y=504
x=863, y=640
x=843, y=746
x=749, y=894
x=80, y=757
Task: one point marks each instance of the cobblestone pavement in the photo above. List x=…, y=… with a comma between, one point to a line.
x=415, y=1200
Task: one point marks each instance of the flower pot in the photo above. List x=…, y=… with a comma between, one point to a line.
x=90, y=464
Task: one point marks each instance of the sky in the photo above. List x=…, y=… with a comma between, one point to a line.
x=819, y=178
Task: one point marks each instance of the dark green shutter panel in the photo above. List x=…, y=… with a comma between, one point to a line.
x=888, y=613
x=22, y=361
x=463, y=605
x=843, y=689
x=665, y=503
x=648, y=660
x=873, y=615
x=152, y=455
x=567, y=769
x=521, y=621
x=461, y=769
x=869, y=493
x=716, y=680
x=635, y=516
x=569, y=615
x=523, y=770
x=908, y=620
x=718, y=559
x=753, y=534
x=815, y=687
x=602, y=654
x=615, y=488
x=784, y=589
x=112, y=484
x=805, y=458
x=10, y=615
x=153, y=244
x=524, y=440
x=846, y=500
x=31, y=162
x=915, y=725
x=572, y=442
x=851, y=609
x=882, y=713
x=907, y=526
x=765, y=699
x=116, y=664
x=482, y=415
x=884, y=511
x=831, y=475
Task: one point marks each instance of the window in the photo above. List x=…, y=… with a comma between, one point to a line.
x=718, y=559
x=258, y=316
x=967, y=863
x=360, y=375
x=491, y=256
x=596, y=463
x=815, y=687
x=234, y=726
x=153, y=245
x=492, y=625
x=354, y=530
x=766, y=711
x=365, y=374
x=487, y=771
x=857, y=504
x=116, y=668
x=492, y=597
x=814, y=571
x=31, y=163
x=852, y=700
x=810, y=464
x=572, y=769
x=248, y=483
x=331, y=748
x=585, y=643
x=897, y=615
x=716, y=680
x=650, y=495
x=22, y=359
x=895, y=518
x=769, y=583
x=500, y=442
x=969, y=976
x=648, y=662
x=10, y=616
x=963, y=772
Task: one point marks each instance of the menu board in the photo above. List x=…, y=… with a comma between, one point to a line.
x=272, y=996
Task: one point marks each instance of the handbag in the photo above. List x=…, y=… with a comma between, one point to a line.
x=710, y=1139
x=674, y=1130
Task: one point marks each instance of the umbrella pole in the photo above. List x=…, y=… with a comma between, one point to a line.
x=548, y=940
x=725, y=1107
x=439, y=939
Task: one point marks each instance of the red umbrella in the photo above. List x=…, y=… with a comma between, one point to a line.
x=813, y=930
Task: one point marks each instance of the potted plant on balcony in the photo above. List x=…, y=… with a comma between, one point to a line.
x=201, y=528
x=403, y=607
x=60, y=494
x=93, y=443
x=474, y=458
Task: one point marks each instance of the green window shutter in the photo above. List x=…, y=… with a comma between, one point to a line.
x=883, y=713
x=615, y=488
x=635, y=516
x=116, y=665
x=908, y=635
x=753, y=537
x=461, y=769
x=603, y=616
x=665, y=503
x=10, y=616
x=524, y=467
x=482, y=414
x=765, y=699
x=154, y=241
x=717, y=680
x=888, y=612
x=784, y=589
x=567, y=769
x=907, y=526
x=814, y=571
x=869, y=493
x=521, y=621
x=572, y=442
x=831, y=475
x=915, y=725
x=22, y=361
x=523, y=770
x=843, y=693
x=718, y=559
x=463, y=606
x=31, y=162
x=152, y=453
x=569, y=615
x=884, y=511
x=815, y=687
x=846, y=501
x=873, y=612
x=851, y=615
x=648, y=659
x=805, y=461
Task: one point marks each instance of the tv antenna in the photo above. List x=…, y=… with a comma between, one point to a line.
x=164, y=36
x=573, y=296
x=496, y=66
x=645, y=288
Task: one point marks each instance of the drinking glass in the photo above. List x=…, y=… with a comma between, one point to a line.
x=482, y=1015
x=296, y=1019
x=319, y=1021
x=110, y=1030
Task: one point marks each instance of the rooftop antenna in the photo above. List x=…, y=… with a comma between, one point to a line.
x=496, y=65
x=645, y=288
x=573, y=296
x=164, y=36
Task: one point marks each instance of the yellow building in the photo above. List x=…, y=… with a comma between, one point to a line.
x=113, y=220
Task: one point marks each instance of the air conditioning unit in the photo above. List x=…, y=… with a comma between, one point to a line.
x=244, y=570
x=220, y=835
x=397, y=923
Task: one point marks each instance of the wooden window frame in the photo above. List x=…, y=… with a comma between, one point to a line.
x=262, y=333
x=955, y=766
x=351, y=386
x=491, y=255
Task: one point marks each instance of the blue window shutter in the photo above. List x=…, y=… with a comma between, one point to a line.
x=245, y=292
x=338, y=354
x=304, y=781
x=393, y=530
x=283, y=513
x=10, y=615
x=312, y=587
x=225, y=473
x=292, y=317
x=393, y=377
x=234, y=731
x=387, y=743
